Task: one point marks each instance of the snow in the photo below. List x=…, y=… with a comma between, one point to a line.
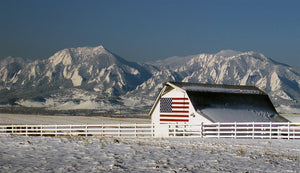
x=70, y=105
x=32, y=72
x=288, y=109
x=262, y=82
x=283, y=95
x=275, y=82
x=56, y=119
x=49, y=75
x=228, y=53
x=30, y=103
x=90, y=69
x=14, y=79
x=222, y=90
x=61, y=56
x=66, y=74
x=76, y=78
x=294, y=118
x=223, y=114
x=98, y=154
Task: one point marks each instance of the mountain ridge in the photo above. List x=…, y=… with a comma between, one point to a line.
x=97, y=76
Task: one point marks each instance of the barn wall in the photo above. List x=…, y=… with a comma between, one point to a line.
x=174, y=93
x=193, y=116
x=155, y=114
x=196, y=118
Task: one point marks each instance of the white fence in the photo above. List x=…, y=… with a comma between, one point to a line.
x=124, y=130
x=253, y=130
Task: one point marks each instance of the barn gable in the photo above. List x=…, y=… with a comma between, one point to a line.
x=195, y=103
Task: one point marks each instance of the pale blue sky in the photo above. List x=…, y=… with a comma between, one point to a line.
x=147, y=30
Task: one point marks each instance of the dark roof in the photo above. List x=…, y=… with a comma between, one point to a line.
x=218, y=88
x=234, y=107
x=230, y=103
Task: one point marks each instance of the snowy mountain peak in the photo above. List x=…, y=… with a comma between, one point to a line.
x=228, y=53
x=101, y=73
x=90, y=55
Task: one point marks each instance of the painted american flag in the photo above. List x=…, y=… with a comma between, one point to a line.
x=174, y=110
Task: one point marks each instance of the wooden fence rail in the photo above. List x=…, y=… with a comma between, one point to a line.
x=250, y=130
x=124, y=130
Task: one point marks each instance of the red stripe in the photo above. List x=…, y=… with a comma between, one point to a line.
x=180, y=111
x=180, y=99
x=174, y=115
x=174, y=120
x=180, y=107
x=184, y=103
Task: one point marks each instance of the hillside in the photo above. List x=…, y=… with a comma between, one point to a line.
x=94, y=78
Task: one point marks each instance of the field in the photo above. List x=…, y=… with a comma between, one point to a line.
x=96, y=154
x=6, y=119
x=107, y=154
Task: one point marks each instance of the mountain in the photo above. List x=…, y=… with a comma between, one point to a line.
x=95, y=78
x=70, y=75
x=280, y=81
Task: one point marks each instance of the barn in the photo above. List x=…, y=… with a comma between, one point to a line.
x=181, y=102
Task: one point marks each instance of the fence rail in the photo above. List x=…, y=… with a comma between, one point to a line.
x=124, y=130
x=252, y=130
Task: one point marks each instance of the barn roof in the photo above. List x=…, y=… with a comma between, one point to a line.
x=234, y=107
x=227, y=103
x=217, y=88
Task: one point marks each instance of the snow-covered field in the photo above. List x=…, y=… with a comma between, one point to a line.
x=99, y=154
x=96, y=154
x=8, y=119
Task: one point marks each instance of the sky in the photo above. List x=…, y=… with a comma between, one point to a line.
x=148, y=30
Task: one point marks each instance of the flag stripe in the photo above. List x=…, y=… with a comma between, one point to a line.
x=184, y=120
x=183, y=103
x=180, y=111
x=180, y=99
x=174, y=116
x=180, y=107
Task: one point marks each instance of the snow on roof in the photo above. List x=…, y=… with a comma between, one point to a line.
x=228, y=103
x=237, y=114
x=218, y=88
x=223, y=90
x=229, y=107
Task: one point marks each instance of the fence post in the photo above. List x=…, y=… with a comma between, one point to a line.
x=70, y=129
x=86, y=131
x=152, y=129
x=170, y=132
x=201, y=130
x=253, y=128
x=135, y=131
x=26, y=130
x=55, y=130
x=235, y=125
x=270, y=130
x=175, y=128
x=119, y=130
x=293, y=132
x=218, y=130
x=288, y=130
x=41, y=130
x=102, y=129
